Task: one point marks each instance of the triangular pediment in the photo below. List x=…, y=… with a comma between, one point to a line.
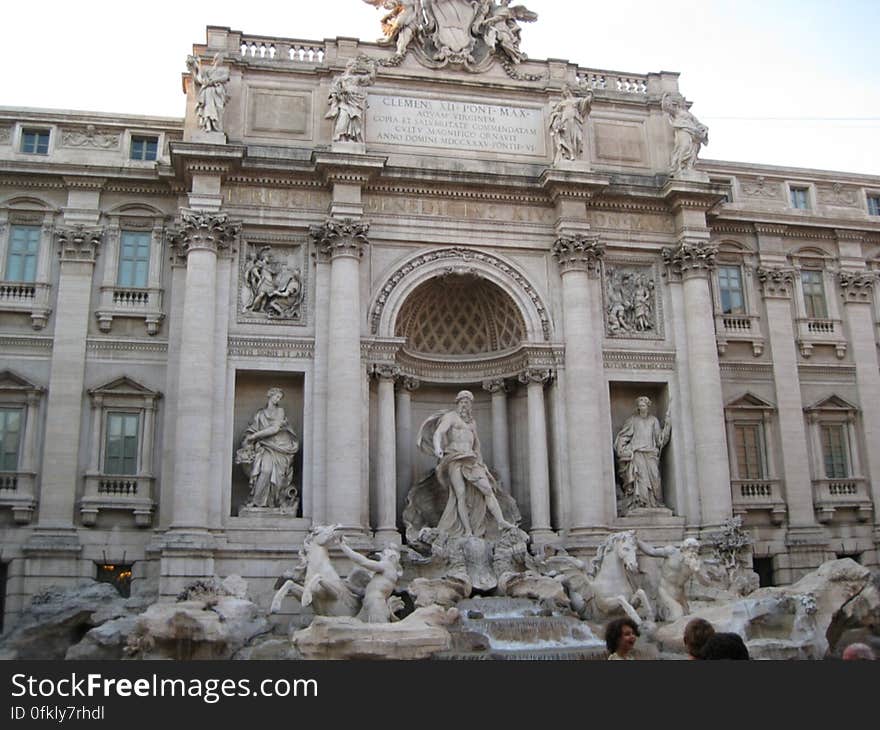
x=833, y=403
x=10, y=381
x=751, y=401
x=124, y=386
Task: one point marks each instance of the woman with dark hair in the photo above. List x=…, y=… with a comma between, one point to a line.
x=725, y=646
x=620, y=638
x=697, y=632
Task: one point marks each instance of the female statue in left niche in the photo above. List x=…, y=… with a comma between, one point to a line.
x=266, y=455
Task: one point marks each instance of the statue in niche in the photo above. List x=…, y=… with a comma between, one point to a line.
x=211, y=94
x=271, y=288
x=460, y=497
x=567, y=123
x=498, y=25
x=400, y=24
x=348, y=99
x=637, y=446
x=630, y=301
x=266, y=455
x=690, y=134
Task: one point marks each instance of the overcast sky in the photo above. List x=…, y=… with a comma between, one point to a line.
x=790, y=82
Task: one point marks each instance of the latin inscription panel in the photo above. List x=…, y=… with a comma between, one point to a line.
x=408, y=121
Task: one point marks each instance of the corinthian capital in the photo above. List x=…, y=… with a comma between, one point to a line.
x=776, y=283
x=579, y=252
x=691, y=258
x=541, y=376
x=857, y=286
x=206, y=231
x=79, y=243
x=341, y=237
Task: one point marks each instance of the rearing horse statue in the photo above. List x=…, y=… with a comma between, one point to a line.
x=606, y=586
x=322, y=588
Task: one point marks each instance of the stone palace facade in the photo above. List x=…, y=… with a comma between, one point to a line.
x=372, y=228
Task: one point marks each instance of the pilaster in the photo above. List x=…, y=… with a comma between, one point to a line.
x=539, y=465
x=777, y=287
x=498, y=389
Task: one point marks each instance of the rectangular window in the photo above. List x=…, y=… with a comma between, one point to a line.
x=749, y=450
x=800, y=198
x=144, y=148
x=834, y=450
x=35, y=141
x=121, y=451
x=731, y=290
x=874, y=205
x=10, y=438
x=814, y=294
x=134, y=258
x=21, y=258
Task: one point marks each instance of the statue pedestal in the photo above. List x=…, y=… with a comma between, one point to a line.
x=199, y=135
x=656, y=525
x=266, y=512
x=351, y=148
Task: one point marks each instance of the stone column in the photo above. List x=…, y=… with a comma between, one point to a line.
x=386, y=468
x=692, y=260
x=777, y=286
x=858, y=289
x=406, y=443
x=539, y=465
x=315, y=506
x=200, y=237
x=500, y=435
x=344, y=241
x=579, y=257
x=60, y=468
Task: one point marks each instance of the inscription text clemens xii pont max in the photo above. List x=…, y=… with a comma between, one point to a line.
x=411, y=121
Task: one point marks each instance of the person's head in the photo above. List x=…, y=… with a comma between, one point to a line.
x=690, y=551
x=858, y=652
x=697, y=632
x=464, y=401
x=274, y=395
x=620, y=636
x=724, y=645
x=643, y=403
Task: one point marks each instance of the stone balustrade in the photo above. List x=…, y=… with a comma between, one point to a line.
x=282, y=50
x=142, y=303
x=610, y=81
x=759, y=495
x=30, y=297
x=830, y=495
x=812, y=331
x=17, y=494
x=117, y=492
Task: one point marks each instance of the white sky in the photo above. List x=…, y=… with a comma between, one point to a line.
x=789, y=82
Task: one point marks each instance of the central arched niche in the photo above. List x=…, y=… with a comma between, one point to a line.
x=460, y=315
x=456, y=318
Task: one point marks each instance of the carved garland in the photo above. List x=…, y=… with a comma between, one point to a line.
x=462, y=254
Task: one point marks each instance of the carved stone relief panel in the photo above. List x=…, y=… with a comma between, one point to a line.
x=837, y=195
x=272, y=281
x=90, y=136
x=632, y=304
x=5, y=135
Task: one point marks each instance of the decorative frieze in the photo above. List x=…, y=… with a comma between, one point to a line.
x=838, y=196
x=636, y=360
x=198, y=230
x=340, y=237
x=90, y=137
x=776, y=282
x=270, y=347
x=693, y=258
x=761, y=188
x=631, y=302
x=579, y=252
x=495, y=385
x=541, y=376
x=79, y=243
x=271, y=285
x=857, y=286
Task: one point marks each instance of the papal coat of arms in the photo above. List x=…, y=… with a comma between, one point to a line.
x=469, y=33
